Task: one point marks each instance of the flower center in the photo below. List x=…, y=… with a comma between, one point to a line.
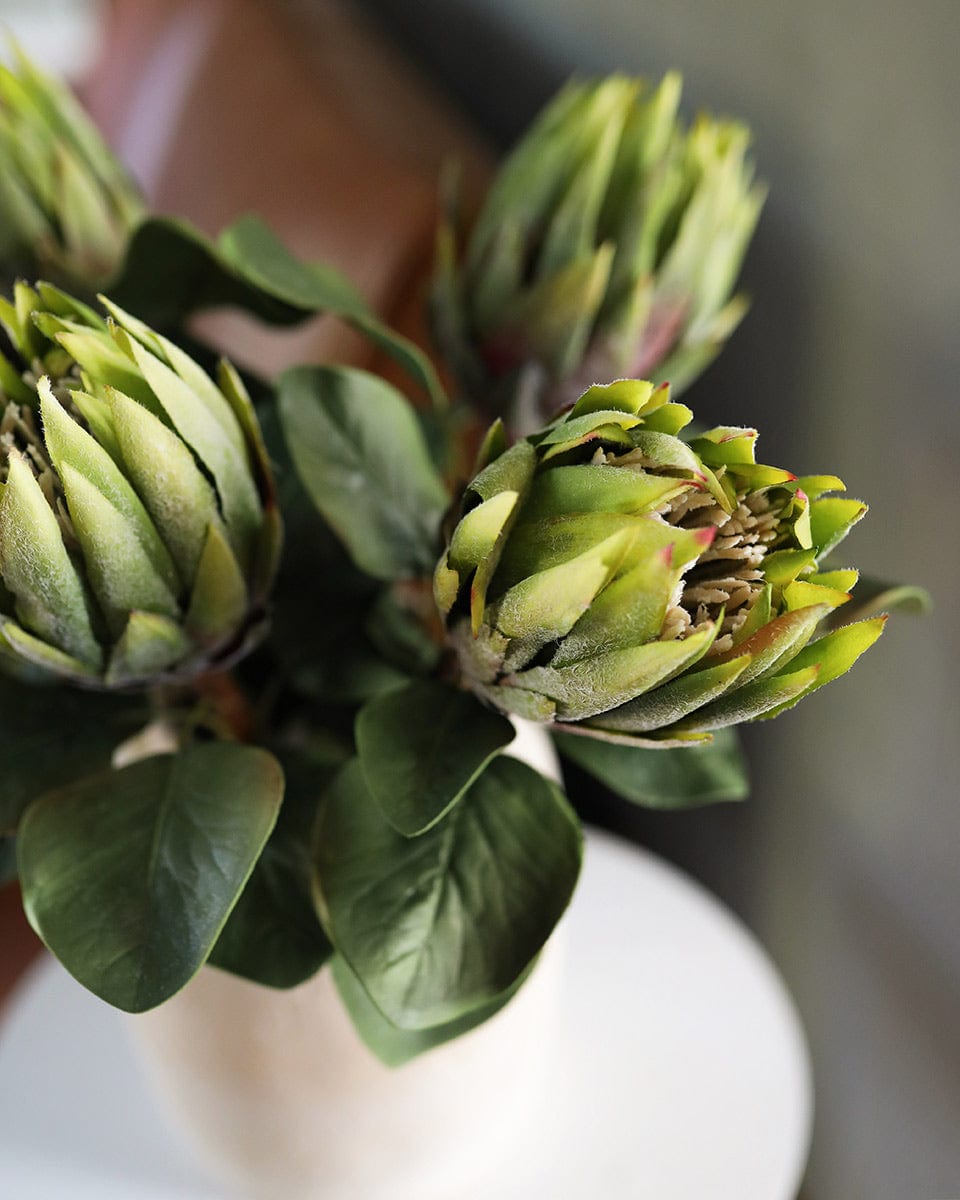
x=727, y=576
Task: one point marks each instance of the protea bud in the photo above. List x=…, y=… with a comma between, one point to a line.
x=67, y=207
x=608, y=576
x=138, y=529
x=609, y=245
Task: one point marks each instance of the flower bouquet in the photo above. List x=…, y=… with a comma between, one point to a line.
x=265, y=642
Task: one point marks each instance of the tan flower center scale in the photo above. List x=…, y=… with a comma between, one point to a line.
x=728, y=573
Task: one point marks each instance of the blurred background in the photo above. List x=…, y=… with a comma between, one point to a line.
x=845, y=860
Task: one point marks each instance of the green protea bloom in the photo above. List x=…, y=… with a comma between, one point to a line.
x=609, y=245
x=67, y=207
x=610, y=577
x=138, y=528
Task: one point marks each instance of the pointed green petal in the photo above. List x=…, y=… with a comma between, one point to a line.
x=446, y=586
x=609, y=680
x=763, y=697
x=477, y=533
x=120, y=572
x=544, y=544
x=575, y=427
x=833, y=655
x=511, y=471
x=831, y=519
x=219, y=600
x=177, y=496
x=37, y=569
x=71, y=446
x=623, y=395
x=531, y=706
x=597, y=488
x=191, y=373
x=783, y=566
x=672, y=701
x=96, y=412
x=630, y=610
x=101, y=359
x=204, y=434
x=547, y=604
x=803, y=594
x=149, y=645
x=40, y=654
x=778, y=642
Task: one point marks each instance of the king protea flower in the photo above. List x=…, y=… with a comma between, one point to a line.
x=609, y=245
x=611, y=578
x=138, y=527
x=67, y=207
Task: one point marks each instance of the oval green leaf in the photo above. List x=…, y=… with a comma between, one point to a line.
x=421, y=746
x=130, y=875
x=671, y=778
x=395, y=1046
x=437, y=926
x=273, y=935
x=362, y=457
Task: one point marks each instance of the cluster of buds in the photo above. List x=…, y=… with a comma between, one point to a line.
x=67, y=207
x=609, y=246
x=608, y=576
x=138, y=527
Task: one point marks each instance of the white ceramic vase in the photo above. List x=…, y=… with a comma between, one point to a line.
x=282, y=1101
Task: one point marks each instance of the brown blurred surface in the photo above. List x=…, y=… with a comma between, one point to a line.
x=19, y=945
x=333, y=139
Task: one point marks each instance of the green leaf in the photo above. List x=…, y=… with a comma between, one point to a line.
x=422, y=746
x=880, y=596
x=52, y=735
x=672, y=778
x=399, y=634
x=258, y=255
x=363, y=459
x=130, y=875
x=171, y=270
x=273, y=935
x=437, y=926
x=394, y=1046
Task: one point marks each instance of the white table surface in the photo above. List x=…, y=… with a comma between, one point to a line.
x=682, y=1072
